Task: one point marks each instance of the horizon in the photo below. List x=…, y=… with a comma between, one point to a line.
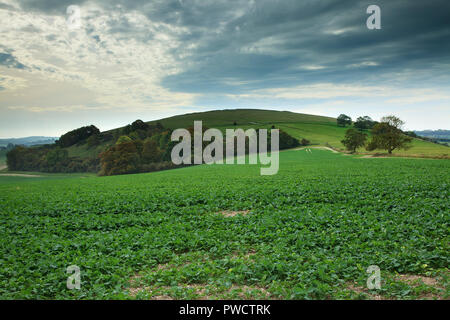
x=123, y=125
x=128, y=60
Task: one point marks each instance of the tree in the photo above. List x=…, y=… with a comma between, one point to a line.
x=364, y=123
x=134, y=135
x=72, y=137
x=123, y=139
x=393, y=121
x=305, y=142
x=387, y=135
x=354, y=139
x=126, y=130
x=56, y=157
x=286, y=141
x=13, y=158
x=344, y=120
x=93, y=141
x=139, y=125
x=120, y=159
x=159, y=126
x=150, y=152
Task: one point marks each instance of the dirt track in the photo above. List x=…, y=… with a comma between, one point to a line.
x=323, y=148
x=19, y=175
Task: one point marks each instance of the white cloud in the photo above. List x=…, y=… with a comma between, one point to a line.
x=312, y=67
x=364, y=64
x=340, y=31
x=122, y=71
x=10, y=82
x=389, y=94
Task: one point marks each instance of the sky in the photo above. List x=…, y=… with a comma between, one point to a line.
x=136, y=59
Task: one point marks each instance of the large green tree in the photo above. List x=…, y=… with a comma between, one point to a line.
x=354, y=139
x=387, y=135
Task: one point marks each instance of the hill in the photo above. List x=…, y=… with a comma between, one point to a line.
x=440, y=136
x=83, y=155
x=27, y=141
x=319, y=130
x=437, y=134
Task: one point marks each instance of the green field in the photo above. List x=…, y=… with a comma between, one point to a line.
x=225, y=231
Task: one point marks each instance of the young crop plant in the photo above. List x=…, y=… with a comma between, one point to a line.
x=226, y=232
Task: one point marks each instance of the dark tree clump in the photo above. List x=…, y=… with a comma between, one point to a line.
x=344, y=120
x=77, y=135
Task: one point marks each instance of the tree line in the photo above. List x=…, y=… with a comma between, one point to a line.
x=385, y=135
x=137, y=147
x=135, y=151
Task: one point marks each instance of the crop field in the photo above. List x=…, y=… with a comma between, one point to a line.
x=225, y=231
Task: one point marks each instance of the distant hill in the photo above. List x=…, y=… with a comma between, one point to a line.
x=437, y=134
x=28, y=141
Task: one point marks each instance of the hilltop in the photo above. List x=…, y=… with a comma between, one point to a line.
x=319, y=130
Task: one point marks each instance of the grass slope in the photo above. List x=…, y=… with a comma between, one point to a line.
x=226, y=118
x=308, y=232
x=317, y=129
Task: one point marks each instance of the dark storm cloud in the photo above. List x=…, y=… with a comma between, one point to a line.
x=238, y=45
x=330, y=34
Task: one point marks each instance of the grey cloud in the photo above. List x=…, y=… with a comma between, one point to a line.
x=8, y=60
x=6, y=6
x=268, y=43
x=51, y=37
x=414, y=36
x=49, y=6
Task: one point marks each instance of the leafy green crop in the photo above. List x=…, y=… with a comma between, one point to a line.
x=305, y=233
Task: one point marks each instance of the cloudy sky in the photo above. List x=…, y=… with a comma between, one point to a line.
x=133, y=59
